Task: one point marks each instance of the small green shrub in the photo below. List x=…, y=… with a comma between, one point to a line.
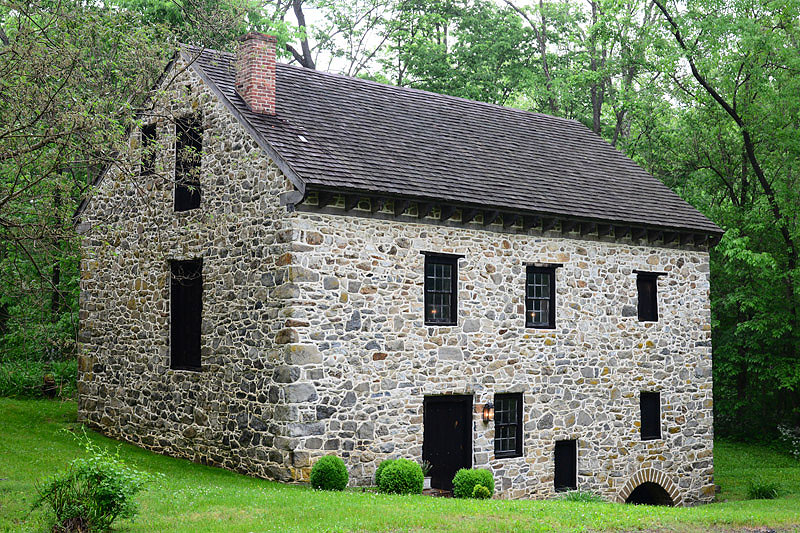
x=401, y=476
x=380, y=469
x=479, y=492
x=93, y=492
x=762, y=489
x=585, y=496
x=329, y=473
x=465, y=480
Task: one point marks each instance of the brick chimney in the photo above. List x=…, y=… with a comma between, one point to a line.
x=255, y=72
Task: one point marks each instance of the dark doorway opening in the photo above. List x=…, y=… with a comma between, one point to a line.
x=447, y=437
x=650, y=493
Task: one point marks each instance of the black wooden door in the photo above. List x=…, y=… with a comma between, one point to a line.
x=447, y=439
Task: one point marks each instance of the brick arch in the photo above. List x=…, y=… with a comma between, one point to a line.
x=653, y=476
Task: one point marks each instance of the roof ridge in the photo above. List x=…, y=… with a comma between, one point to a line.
x=362, y=135
x=388, y=86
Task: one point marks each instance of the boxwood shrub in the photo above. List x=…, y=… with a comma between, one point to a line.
x=380, y=469
x=329, y=473
x=401, y=476
x=479, y=492
x=465, y=480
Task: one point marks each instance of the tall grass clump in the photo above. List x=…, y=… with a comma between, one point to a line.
x=762, y=489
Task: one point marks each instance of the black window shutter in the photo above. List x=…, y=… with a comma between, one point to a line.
x=566, y=465
x=186, y=310
x=188, y=158
x=648, y=299
x=650, y=407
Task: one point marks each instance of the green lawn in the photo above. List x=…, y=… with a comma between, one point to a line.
x=192, y=497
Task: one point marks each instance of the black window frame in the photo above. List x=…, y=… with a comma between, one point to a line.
x=550, y=271
x=148, y=150
x=185, y=336
x=188, y=162
x=559, y=452
x=499, y=425
x=647, y=298
x=650, y=415
x=432, y=259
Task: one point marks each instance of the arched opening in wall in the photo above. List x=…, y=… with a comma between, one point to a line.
x=650, y=493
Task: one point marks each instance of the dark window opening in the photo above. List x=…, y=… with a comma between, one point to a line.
x=540, y=297
x=186, y=310
x=646, y=285
x=188, y=156
x=441, y=290
x=566, y=465
x=148, y=149
x=650, y=493
x=508, y=425
x=650, y=407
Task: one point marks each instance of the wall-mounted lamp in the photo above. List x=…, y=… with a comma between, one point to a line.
x=488, y=412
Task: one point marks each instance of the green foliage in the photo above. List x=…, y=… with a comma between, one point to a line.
x=465, y=480
x=762, y=489
x=469, y=48
x=479, y=492
x=93, y=492
x=329, y=473
x=401, y=476
x=584, y=496
x=380, y=469
x=193, y=497
x=34, y=379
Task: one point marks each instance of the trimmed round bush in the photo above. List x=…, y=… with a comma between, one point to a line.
x=479, y=492
x=379, y=471
x=329, y=473
x=466, y=479
x=401, y=476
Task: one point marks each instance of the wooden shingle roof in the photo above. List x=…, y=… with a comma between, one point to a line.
x=351, y=135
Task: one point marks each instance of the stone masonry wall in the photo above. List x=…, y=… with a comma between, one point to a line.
x=362, y=308
x=227, y=414
x=313, y=339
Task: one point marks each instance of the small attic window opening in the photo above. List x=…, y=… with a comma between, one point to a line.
x=148, y=150
x=188, y=159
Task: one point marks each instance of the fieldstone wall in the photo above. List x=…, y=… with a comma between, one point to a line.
x=313, y=338
x=227, y=414
x=361, y=306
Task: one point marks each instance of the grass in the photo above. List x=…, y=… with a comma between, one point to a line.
x=192, y=497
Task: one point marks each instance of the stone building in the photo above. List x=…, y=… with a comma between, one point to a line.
x=301, y=263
